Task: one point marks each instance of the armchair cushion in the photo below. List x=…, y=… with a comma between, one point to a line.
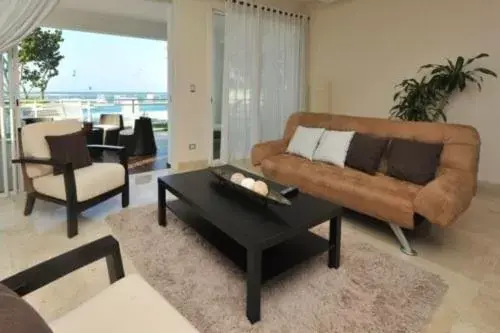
x=130, y=305
x=35, y=145
x=69, y=148
x=17, y=316
x=90, y=181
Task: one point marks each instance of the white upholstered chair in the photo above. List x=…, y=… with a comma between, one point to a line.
x=77, y=189
x=128, y=305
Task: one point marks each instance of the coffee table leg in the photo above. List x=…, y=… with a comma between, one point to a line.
x=162, y=205
x=254, y=280
x=334, y=242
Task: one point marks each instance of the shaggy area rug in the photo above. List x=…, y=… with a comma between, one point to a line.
x=371, y=292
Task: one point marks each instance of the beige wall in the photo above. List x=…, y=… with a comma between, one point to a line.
x=361, y=48
x=191, y=52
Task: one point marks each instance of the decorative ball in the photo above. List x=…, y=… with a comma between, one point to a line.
x=261, y=188
x=248, y=183
x=237, y=178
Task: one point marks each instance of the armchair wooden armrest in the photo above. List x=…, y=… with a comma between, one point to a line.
x=68, y=174
x=120, y=150
x=49, y=271
x=36, y=160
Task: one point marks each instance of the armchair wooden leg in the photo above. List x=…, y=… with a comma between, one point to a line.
x=30, y=202
x=72, y=221
x=125, y=197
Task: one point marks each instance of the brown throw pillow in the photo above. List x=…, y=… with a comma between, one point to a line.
x=69, y=148
x=365, y=152
x=17, y=316
x=413, y=161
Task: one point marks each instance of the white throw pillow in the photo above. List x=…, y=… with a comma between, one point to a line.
x=333, y=147
x=304, y=141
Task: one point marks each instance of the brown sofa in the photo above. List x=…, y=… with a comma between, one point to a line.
x=397, y=202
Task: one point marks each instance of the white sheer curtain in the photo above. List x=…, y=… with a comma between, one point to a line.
x=19, y=17
x=264, y=81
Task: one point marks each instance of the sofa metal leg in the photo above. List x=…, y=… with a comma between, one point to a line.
x=405, y=245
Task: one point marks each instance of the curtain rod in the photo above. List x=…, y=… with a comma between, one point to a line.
x=268, y=9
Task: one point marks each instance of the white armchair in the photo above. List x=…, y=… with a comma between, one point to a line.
x=129, y=305
x=77, y=189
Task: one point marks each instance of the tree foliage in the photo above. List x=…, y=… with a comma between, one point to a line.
x=39, y=57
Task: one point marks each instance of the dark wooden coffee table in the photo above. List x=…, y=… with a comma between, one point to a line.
x=263, y=240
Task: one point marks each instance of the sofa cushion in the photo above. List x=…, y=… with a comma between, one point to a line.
x=35, y=145
x=377, y=195
x=304, y=141
x=365, y=152
x=69, y=148
x=413, y=161
x=90, y=181
x=17, y=316
x=130, y=305
x=333, y=146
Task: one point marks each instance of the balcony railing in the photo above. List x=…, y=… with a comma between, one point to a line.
x=91, y=110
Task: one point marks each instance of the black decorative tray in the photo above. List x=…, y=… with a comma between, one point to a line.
x=224, y=177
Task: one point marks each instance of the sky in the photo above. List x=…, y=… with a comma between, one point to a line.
x=110, y=63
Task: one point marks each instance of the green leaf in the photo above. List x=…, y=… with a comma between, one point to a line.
x=461, y=81
x=486, y=71
x=451, y=65
x=427, y=66
x=438, y=70
x=471, y=60
x=459, y=64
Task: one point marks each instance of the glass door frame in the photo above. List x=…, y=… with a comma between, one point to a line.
x=10, y=120
x=211, y=72
x=170, y=84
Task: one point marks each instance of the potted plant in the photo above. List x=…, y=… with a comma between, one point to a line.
x=425, y=99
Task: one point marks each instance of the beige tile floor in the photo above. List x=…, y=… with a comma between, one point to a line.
x=466, y=255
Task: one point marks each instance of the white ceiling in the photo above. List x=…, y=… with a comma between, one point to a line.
x=152, y=10
x=135, y=18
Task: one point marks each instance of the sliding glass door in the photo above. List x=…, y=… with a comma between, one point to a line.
x=218, y=27
x=9, y=121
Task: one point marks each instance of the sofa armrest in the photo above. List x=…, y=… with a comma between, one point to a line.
x=445, y=198
x=46, y=272
x=267, y=149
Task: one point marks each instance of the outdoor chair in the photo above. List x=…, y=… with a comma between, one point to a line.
x=140, y=140
x=111, y=124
